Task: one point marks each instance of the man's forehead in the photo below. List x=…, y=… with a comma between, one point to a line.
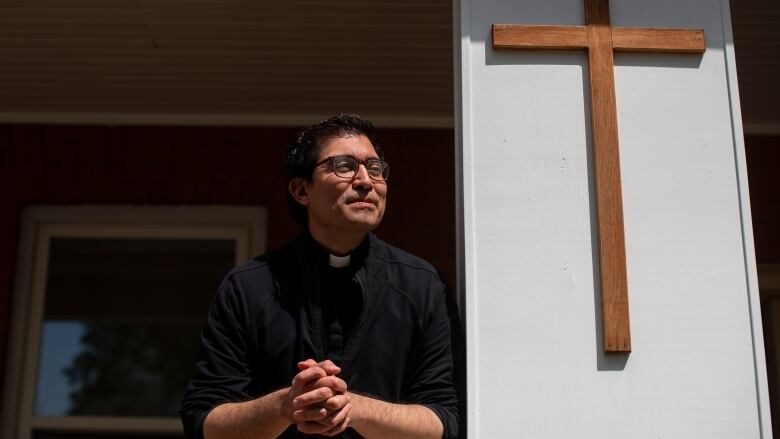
x=349, y=145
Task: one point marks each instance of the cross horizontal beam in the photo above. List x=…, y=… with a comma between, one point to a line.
x=530, y=37
x=624, y=39
x=658, y=40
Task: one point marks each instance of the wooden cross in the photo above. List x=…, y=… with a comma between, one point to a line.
x=600, y=39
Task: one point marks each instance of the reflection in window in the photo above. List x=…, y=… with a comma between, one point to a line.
x=60, y=344
x=121, y=323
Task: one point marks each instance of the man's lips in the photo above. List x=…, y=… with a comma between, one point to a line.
x=362, y=202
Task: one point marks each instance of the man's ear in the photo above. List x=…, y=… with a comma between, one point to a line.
x=297, y=188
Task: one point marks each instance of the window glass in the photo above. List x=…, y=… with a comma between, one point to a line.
x=121, y=324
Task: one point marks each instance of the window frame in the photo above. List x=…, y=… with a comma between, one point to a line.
x=39, y=224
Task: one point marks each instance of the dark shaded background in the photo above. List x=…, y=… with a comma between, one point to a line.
x=237, y=166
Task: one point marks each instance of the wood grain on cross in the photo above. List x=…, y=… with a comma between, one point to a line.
x=600, y=39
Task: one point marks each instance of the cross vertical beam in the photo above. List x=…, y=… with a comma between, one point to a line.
x=609, y=198
x=600, y=39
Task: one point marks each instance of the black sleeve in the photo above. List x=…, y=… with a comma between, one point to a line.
x=433, y=380
x=222, y=370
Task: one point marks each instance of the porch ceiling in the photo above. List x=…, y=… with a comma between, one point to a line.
x=265, y=62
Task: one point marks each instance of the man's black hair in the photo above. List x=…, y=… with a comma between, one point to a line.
x=300, y=157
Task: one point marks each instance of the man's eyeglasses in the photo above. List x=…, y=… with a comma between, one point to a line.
x=345, y=166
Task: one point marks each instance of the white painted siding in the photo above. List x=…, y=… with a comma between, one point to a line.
x=536, y=366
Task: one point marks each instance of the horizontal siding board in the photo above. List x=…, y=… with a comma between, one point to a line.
x=388, y=59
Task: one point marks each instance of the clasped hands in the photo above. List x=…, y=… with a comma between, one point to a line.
x=317, y=402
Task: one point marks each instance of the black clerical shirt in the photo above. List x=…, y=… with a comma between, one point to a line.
x=341, y=301
x=269, y=314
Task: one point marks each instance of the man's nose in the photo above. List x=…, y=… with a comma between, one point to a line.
x=362, y=180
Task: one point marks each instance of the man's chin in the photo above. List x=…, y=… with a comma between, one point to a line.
x=365, y=223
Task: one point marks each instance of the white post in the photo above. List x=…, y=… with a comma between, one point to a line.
x=528, y=249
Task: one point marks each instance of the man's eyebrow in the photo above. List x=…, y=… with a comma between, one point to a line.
x=355, y=158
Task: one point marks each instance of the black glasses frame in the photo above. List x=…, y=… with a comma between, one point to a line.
x=332, y=159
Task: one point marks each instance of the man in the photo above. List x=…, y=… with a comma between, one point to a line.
x=336, y=333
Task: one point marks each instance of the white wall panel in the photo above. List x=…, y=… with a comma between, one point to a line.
x=536, y=366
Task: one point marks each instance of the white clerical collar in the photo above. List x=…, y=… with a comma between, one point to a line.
x=338, y=261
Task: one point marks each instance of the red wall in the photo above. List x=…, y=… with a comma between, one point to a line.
x=206, y=166
x=763, y=161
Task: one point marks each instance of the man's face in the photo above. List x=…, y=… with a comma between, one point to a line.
x=339, y=204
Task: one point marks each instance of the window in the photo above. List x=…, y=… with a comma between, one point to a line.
x=107, y=311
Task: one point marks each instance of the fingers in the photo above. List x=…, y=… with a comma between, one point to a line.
x=298, y=387
x=307, y=375
x=329, y=426
x=325, y=413
x=328, y=366
x=334, y=419
x=313, y=397
x=339, y=428
x=335, y=403
x=313, y=414
x=305, y=364
x=320, y=390
x=322, y=405
x=337, y=384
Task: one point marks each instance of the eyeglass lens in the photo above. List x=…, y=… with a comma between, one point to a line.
x=347, y=167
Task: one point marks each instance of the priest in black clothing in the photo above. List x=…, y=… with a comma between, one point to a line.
x=337, y=333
